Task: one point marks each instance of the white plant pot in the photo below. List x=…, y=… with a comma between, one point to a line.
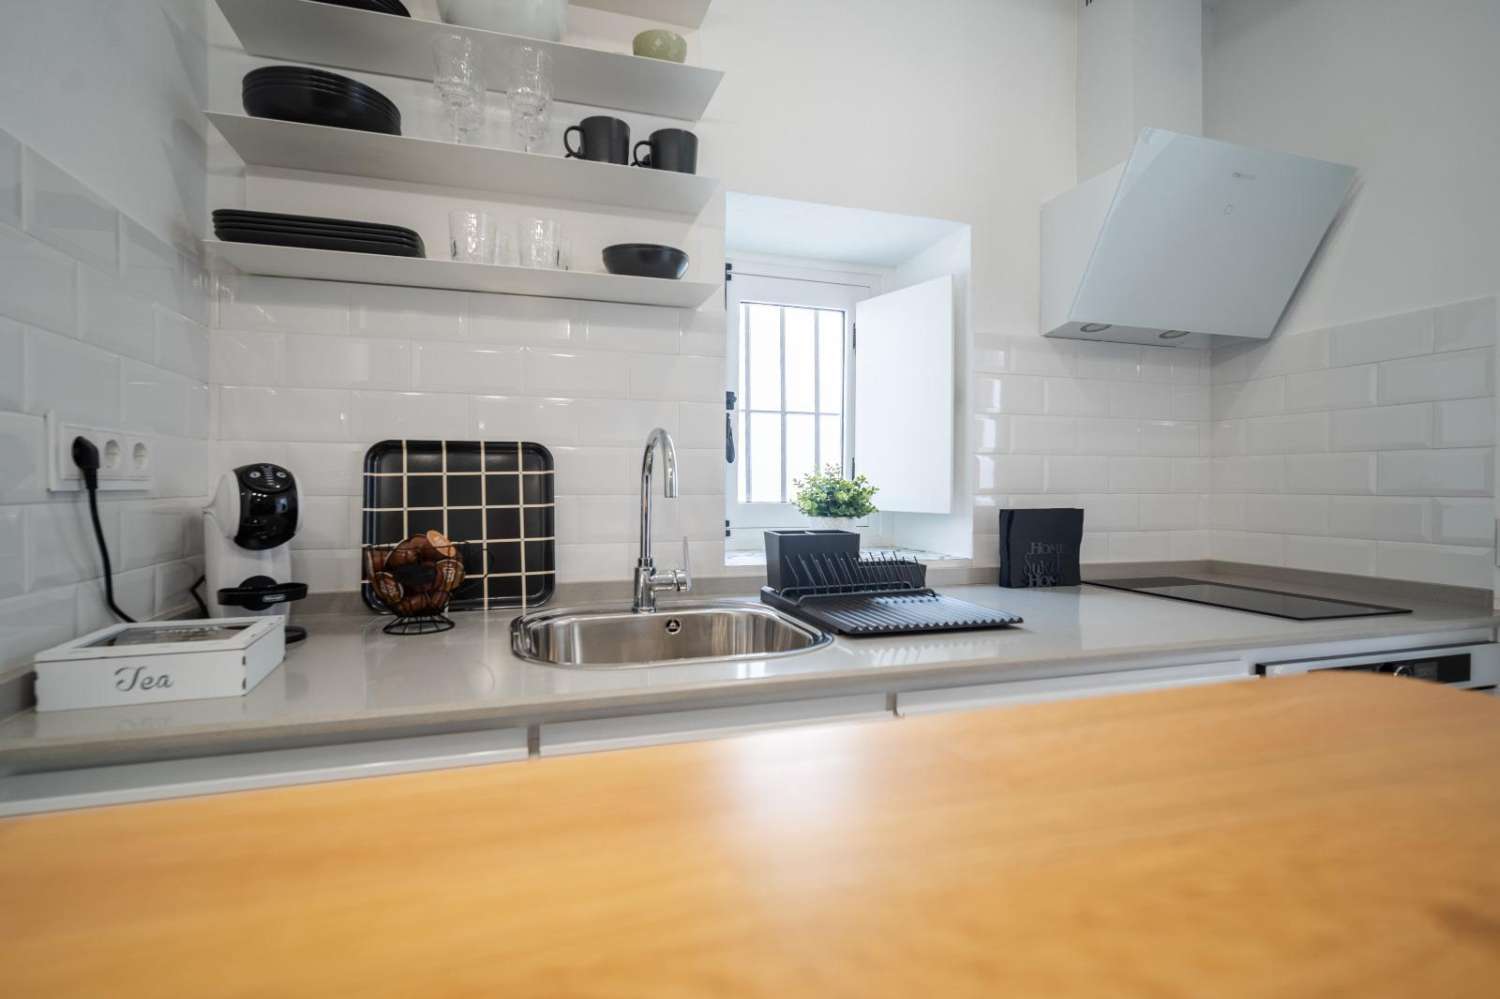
x=544, y=19
x=833, y=523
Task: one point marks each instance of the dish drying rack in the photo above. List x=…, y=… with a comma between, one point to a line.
x=879, y=595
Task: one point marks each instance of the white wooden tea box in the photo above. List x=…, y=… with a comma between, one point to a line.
x=160, y=661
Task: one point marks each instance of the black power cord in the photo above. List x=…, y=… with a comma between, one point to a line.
x=86, y=457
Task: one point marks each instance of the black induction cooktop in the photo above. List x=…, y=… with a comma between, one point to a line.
x=1294, y=606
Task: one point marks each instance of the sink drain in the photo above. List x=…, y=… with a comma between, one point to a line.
x=673, y=626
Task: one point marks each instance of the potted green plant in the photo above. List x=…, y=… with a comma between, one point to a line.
x=832, y=501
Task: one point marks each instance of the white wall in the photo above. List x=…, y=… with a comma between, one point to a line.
x=102, y=319
x=1406, y=93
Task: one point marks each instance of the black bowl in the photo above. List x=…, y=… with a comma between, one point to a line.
x=314, y=97
x=645, y=260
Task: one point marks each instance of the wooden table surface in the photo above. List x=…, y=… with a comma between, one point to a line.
x=1327, y=835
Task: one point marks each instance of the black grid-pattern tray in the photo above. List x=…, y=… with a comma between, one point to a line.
x=497, y=497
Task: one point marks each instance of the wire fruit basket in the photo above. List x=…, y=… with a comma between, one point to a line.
x=415, y=579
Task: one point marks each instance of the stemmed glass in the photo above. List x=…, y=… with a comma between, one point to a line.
x=529, y=93
x=460, y=84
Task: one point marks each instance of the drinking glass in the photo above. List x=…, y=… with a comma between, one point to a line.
x=538, y=243
x=471, y=236
x=529, y=93
x=459, y=81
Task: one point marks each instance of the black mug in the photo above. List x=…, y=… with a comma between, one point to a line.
x=670, y=149
x=600, y=138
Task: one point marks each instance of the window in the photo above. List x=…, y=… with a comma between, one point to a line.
x=791, y=392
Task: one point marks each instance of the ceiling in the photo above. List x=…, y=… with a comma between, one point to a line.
x=776, y=227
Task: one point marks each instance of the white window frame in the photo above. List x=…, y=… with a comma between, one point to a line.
x=759, y=281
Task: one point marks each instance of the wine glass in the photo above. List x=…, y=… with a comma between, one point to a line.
x=529, y=93
x=459, y=81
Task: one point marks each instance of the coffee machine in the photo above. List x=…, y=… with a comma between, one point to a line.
x=247, y=533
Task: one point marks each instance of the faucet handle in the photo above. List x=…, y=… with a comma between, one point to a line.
x=684, y=576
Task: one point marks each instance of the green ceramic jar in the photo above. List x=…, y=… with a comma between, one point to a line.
x=659, y=43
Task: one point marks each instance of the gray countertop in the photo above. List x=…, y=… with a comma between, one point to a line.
x=349, y=681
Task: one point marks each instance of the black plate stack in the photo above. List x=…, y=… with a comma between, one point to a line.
x=378, y=6
x=314, y=233
x=317, y=97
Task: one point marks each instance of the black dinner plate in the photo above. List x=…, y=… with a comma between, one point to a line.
x=354, y=230
x=246, y=215
x=316, y=97
x=312, y=242
x=271, y=233
x=377, y=6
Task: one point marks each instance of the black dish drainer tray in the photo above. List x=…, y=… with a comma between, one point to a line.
x=856, y=596
x=494, y=498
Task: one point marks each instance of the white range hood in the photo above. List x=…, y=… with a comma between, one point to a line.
x=1186, y=241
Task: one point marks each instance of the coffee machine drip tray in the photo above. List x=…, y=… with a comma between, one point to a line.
x=1294, y=606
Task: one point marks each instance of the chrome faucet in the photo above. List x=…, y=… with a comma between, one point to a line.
x=647, y=580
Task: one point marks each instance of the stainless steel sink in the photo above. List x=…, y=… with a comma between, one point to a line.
x=613, y=638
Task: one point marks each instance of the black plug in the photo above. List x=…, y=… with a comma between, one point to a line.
x=86, y=457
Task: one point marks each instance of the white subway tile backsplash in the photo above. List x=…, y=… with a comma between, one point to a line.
x=260, y=303
x=356, y=362
x=156, y=400
x=1043, y=434
x=1140, y=547
x=12, y=550
x=60, y=546
x=12, y=364
x=1285, y=354
x=1341, y=555
x=1457, y=375
x=620, y=421
x=1140, y=475
x=326, y=570
x=990, y=353
x=1167, y=437
x=1225, y=512
x=1249, y=547
x=10, y=180
x=1009, y=394
x=35, y=622
x=64, y=213
x=1190, y=546
x=1228, y=438
x=1448, y=472
x=324, y=522
x=182, y=345
x=375, y=416
x=1464, y=522
x=1336, y=388
x=1104, y=436
x=1330, y=474
x=1107, y=360
x=1192, y=475
x=700, y=424
x=426, y=313
x=1382, y=428
x=1263, y=397
x=1383, y=518
x=1040, y=356
x=576, y=373
x=1110, y=511
x=112, y=318
x=157, y=272
x=614, y=326
x=1192, y=402
x=81, y=383
x=1275, y=514
x=1170, y=512
x=1250, y=474
x=1448, y=565
x=37, y=283
x=250, y=413
x=1294, y=434
x=684, y=377
x=153, y=533
x=705, y=332
x=247, y=357
x=325, y=469
x=1144, y=400
x=1009, y=473
x=549, y=422
x=516, y=319
x=596, y=470
x=1077, y=474
x=990, y=433
x=1066, y=397
x=587, y=520
x=23, y=455
x=1466, y=423
x=1405, y=335
x=1463, y=325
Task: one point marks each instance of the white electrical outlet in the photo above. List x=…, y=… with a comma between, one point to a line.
x=125, y=459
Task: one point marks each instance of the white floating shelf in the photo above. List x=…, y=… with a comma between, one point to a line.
x=329, y=35
x=687, y=13
x=419, y=272
x=290, y=144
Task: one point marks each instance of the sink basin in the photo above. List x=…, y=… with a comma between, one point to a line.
x=619, y=638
